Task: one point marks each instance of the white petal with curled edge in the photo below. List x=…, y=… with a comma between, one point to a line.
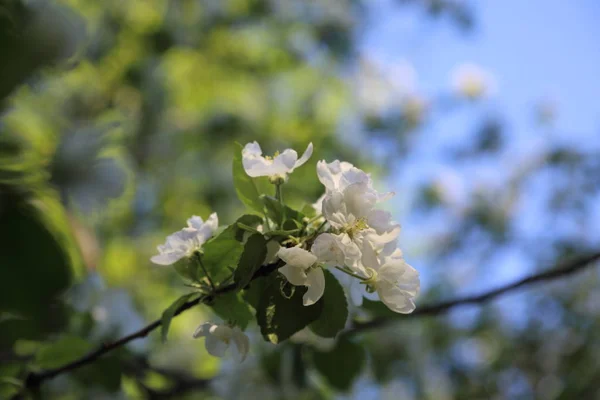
x=195, y=222
x=215, y=346
x=295, y=275
x=242, y=344
x=254, y=163
x=212, y=222
x=207, y=229
x=329, y=174
x=307, y=154
x=167, y=258
x=395, y=298
x=316, y=286
x=298, y=257
x=286, y=160
x=203, y=330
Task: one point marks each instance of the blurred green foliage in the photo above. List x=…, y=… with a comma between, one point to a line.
x=118, y=121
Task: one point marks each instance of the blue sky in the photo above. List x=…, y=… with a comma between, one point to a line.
x=534, y=48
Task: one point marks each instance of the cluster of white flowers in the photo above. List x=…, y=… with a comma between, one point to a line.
x=362, y=241
x=359, y=243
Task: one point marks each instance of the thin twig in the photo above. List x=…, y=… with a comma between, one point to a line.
x=567, y=268
x=35, y=379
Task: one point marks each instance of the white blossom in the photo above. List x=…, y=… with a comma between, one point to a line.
x=255, y=164
x=304, y=268
x=184, y=242
x=390, y=279
x=219, y=337
x=353, y=213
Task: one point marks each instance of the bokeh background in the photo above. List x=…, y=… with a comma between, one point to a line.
x=118, y=120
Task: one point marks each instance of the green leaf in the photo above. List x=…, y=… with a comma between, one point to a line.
x=169, y=313
x=232, y=307
x=255, y=251
x=62, y=351
x=187, y=268
x=220, y=254
x=275, y=211
x=342, y=364
x=309, y=211
x=253, y=291
x=335, y=309
x=245, y=186
x=280, y=317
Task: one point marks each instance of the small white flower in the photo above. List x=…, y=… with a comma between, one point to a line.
x=184, y=242
x=255, y=164
x=393, y=281
x=352, y=212
x=219, y=337
x=303, y=268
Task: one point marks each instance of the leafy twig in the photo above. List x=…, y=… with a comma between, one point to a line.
x=35, y=379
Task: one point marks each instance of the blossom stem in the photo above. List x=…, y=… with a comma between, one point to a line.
x=279, y=196
x=351, y=273
x=199, y=258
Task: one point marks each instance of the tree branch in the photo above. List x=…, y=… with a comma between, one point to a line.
x=35, y=379
x=567, y=268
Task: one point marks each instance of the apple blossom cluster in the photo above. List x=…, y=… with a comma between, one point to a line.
x=288, y=260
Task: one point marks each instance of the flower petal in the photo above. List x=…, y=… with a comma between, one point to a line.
x=242, y=344
x=307, y=154
x=297, y=257
x=215, y=346
x=359, y=200
x=285, y=161
x=295, y=275
x=395, y=298
x=252, y=150
x=195, y=222
x=316, y=287
x=329, y=174
x=328, y=249
x=167, y=258
x=254, y=163
x=203, y=330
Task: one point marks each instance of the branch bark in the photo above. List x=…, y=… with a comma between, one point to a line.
x=35, y=379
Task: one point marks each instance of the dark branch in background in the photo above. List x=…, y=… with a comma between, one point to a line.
x=35, y=379
x=569, y=267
